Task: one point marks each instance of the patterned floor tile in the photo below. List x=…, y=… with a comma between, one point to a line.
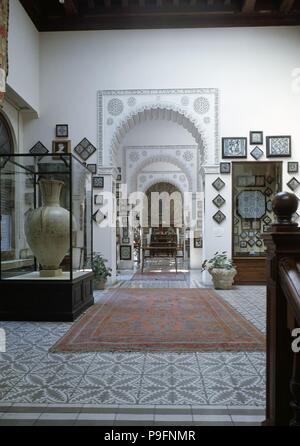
x=172, y=390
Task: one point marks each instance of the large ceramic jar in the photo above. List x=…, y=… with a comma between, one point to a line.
x=47, y=229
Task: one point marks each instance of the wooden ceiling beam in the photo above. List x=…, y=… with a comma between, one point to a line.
x=286, y=6
x=71, y=7
x=248, y=6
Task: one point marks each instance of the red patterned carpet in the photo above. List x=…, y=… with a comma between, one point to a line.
x=158, y=320
x=157, y=275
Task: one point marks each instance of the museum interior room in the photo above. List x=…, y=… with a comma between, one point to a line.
x=149, y=187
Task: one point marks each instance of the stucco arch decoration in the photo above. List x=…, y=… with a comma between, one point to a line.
x=162, y=178
x=133, y=180
x=119, y=111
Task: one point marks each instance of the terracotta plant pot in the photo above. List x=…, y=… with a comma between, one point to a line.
x=222, y=278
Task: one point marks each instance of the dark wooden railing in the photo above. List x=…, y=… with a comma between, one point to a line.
x=283, y=314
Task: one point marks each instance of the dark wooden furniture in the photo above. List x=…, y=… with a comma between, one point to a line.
x=250, y=271
x=283, y=314
x=45, y=300
x=159, y=251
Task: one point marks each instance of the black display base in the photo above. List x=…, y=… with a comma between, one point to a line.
x=45, y=300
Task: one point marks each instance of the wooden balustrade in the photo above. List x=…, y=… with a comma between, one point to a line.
x=283, y=314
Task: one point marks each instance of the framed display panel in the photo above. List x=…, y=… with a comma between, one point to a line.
x=252, y=194
x=28, y=268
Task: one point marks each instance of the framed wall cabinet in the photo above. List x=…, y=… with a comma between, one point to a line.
x=254, y=185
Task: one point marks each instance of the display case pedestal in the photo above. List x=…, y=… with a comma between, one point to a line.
x=24, y=298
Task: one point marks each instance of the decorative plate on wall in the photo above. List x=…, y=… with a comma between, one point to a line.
x=219, y=201
x=251, y=204
x=293, y=184
x=218, y=184
x=256, y=153
x=85, y=149
x=219, y=217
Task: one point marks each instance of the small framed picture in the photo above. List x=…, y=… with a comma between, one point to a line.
x=278, y=146
x=125, y=252
x=293, y=167
x=99, y=200
x=125, y=240
x=62, y=131
x=234, y=147
x=256, y=138
x=255, y=224
x=92, y=168
x=119, y=178
x=225, y=167
x=197, y=242
x=61, y=147
x=98, y=182
x=246, y=225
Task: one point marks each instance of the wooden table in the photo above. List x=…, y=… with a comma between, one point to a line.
x=159, y=251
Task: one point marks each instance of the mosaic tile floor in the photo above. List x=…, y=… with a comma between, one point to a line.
x=31, y=375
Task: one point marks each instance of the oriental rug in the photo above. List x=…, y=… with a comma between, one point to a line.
x=161, y=320
x=157, y=275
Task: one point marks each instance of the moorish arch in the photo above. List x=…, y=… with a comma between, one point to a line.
x=172, y=160
x=119, y=111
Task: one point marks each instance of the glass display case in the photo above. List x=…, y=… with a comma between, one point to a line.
x=254, y=186
x=46, y=228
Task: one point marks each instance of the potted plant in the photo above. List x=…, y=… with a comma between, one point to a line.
x=221, y=269
x=101, y=271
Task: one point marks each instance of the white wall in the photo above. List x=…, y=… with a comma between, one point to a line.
x=23, y=53
x=251, y=66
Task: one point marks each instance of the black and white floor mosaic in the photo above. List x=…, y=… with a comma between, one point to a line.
x=31, y=376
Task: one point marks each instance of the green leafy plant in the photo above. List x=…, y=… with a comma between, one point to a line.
x=219, y=260
x=99, y=268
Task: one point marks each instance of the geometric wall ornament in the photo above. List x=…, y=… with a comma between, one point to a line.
x=219, y=201
x=278, y=146
x=85, y=149
x=125, y=252
x=218, y=184
x=225, y=167
x=267, y=220
x=268, y=192
x=39, y=148
x=115, y=107
x=201, y=105
x=92, y=168
x=219, y=217
x=251, y=204
x=256, y=153
x=293, y=166
x=269, y=206
x=256, y=137
x=293, y=184
x=98, y=182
